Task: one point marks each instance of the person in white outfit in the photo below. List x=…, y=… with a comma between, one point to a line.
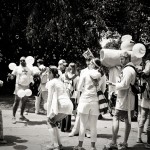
x=88, y=107
x=75, y=129
x=58, y=106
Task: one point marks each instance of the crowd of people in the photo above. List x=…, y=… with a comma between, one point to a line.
x=63, y=90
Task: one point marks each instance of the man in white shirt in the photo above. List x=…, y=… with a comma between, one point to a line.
x=125, y=101
x=24, y=77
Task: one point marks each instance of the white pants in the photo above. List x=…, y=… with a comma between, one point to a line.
x=92, y=123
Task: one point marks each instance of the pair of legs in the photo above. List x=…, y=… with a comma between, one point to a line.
x=22, y=102
x=41, y=97
x=84, y=118
x=75, y=129
x=119, y=114
x=145, y=114
x=53, y=129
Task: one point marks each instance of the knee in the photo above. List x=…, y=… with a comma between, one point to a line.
x=51, y=123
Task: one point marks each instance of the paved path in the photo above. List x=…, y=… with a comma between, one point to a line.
x=34, y=135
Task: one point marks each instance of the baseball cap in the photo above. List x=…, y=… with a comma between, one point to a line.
x=62, y=61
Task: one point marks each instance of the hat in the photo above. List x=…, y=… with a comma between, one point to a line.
x=139, y=50
x=96, y=62
x=125, y=54
x=62, y=61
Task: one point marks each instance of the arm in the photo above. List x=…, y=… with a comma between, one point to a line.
x=126, y=80
x=81, y=83
x=50, y=87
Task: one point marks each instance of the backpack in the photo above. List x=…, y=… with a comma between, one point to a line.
x=136, y=88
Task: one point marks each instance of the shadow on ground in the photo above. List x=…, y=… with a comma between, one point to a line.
x=32, y=123
x=106, y=136
x=13, y=140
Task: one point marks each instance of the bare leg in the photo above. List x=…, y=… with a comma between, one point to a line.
x=127, y=130
x=115, y=129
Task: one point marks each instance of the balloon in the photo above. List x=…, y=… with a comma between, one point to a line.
x=28, y=92
x=35, y=70
x=29, y=60
x=126, y=37
x=21, y=93
x=139, y=50
x=30, y=66
x=45, y=106
x=12, y=66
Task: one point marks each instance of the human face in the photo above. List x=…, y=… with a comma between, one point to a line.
x=124, y=60
x=91, y=65
x=50, y=75
x=22, y=61
x=88, y=63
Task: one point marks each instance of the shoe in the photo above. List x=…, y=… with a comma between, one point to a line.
x=87, y=134
x=77, y=148
x=71, y=134
x=147, y=146
x=26, y=113
x=61, y=147
x=110, y=146
x=139, y=140
x=51, y=147
x=123, y=146
x=23, y=118
x=14, y=120
x=2, y=141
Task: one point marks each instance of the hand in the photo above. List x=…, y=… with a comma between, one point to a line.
x=10, y=76
x=1, y=83
x=110, y=83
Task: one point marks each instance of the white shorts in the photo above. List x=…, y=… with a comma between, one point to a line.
x=88, y=108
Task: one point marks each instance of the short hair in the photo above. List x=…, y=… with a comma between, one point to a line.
x=125, y=54
x=54, y=71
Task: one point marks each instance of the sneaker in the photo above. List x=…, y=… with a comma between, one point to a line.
x=111, y=146
x=23, y=118
x=139, y=140
x=123, y=146
x=77, y=148
x=71, y=134
x=14, y=120
x=88, y=134
x=147, y=146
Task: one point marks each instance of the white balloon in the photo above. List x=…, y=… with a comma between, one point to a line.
x=126, y=37
x=45, y=106
x=139, y=50
x=21, y=93
x=30, y=66
x=12, y=66
x=29, y=60
x=28, y=92
x=35, y=70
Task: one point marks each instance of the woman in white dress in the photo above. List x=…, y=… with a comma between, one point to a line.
x=58, y=106
x=88, y=107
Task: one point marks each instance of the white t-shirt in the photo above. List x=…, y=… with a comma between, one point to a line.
x=24, y=75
